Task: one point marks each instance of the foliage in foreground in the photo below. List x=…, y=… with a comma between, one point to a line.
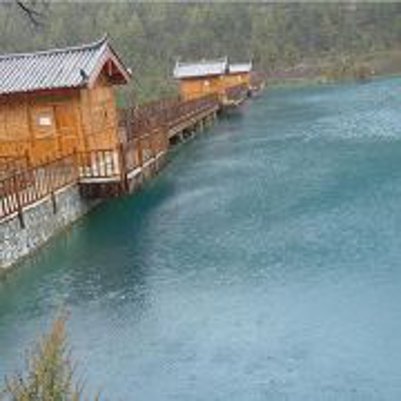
x=49, y=372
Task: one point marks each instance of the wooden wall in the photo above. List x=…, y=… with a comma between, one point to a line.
x=99, y=116
x=237, y=78
x=42, y=124
x=197, y=87
x=51, y=123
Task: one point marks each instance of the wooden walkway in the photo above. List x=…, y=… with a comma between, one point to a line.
x=146, y=133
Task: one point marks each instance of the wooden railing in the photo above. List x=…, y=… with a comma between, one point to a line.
x=236, y=93
x=257, y=81
x=22, y=185
x=190, y=109
x=9, y=165
x=116, y=163
x=26, y=187
x=165, y=113
x=99, y=163
x=145, y=118
x=132, y=155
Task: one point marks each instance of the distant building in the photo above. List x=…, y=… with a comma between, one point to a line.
x=239, y=74
x=201, y=78
x=55, y=101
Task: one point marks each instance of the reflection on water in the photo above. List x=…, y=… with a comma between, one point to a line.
x=262, y=264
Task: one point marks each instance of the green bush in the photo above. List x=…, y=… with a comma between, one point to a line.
x=49, y=372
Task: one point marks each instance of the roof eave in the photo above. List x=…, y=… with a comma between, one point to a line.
x=109, y=54
x=199, y=76
x=43, y=90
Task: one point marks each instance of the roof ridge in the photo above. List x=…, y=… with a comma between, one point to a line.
x=203, y=61
x=240, y=67
x=97, y=44
x=242, y=63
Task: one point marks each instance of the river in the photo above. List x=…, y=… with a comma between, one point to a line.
x=264, y=263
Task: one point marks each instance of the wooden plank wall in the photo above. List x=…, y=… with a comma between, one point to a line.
x=197, y=87
x=49, y=124
x=43, y=125
x=237, y=79
x=99, y=116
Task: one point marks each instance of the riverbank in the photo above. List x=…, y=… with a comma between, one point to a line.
x=26, y=233
x=361, y=68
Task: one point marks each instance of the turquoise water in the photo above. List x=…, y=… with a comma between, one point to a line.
x=263, y=264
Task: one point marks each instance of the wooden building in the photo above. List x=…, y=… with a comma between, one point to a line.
x=53, y=102
x=239, y=74
x=201, y=78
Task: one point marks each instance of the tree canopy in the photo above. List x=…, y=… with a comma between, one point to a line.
x=151, y=36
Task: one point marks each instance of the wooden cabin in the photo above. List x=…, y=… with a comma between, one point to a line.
x=239, y=74
x=55, y=101
x=201, y=78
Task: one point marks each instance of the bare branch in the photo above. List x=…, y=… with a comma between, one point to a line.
x=33, y=15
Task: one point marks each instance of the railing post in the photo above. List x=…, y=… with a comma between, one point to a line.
x=75, y=161
x=153, y=142
x=54, y=202
x=18, y=201
x=140, y=152
x=166, y=141
x=123, y=168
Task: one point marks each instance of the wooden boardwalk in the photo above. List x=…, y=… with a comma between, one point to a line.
x=146, y=134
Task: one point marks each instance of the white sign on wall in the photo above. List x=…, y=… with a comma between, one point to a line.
x=45, y=121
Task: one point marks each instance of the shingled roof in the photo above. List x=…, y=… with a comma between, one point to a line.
x=201, y=68
x=240, y=68
x=70, y=67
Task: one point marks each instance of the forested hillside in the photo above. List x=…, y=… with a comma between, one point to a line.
x=151, y=36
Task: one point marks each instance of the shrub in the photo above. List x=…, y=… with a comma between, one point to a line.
x=49, y=372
